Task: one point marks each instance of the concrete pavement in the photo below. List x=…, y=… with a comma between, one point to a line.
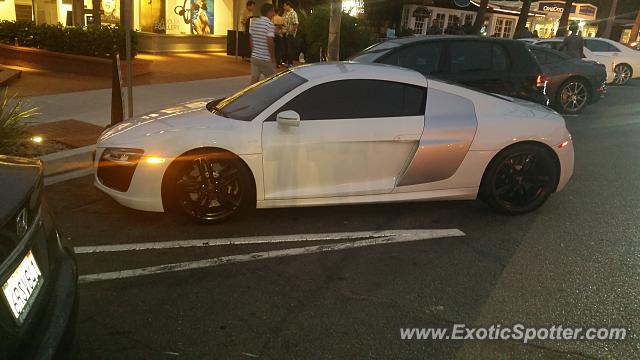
x=94, y=106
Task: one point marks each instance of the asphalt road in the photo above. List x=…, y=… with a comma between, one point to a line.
x=575, y=262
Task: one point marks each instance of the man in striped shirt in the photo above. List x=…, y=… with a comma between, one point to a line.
x=262, y=32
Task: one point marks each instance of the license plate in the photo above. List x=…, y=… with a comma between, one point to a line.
x=22, y=287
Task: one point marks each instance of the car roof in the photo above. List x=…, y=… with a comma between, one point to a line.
x=419, y=38
x=354, y=70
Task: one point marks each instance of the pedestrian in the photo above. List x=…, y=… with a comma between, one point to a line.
x=247, y=14
x=261, y=36
x=434, y=29
x=291, y=29
x=467, y=28
x=535, y=34
x=278, y=21
x=573, y=45
x=524, y=34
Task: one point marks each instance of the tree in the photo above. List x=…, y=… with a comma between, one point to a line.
x=524, y=16
x=381, y=13
x=564, y=19
x=333, y=48
x=482, y=10
x=635, y=29
x=610, y=19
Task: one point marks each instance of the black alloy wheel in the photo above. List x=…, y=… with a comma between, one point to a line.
x=212, y=188
x=573, y=96
x=519, y=179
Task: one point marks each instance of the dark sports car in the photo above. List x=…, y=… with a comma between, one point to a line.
x=38, y=301
x=572, y=84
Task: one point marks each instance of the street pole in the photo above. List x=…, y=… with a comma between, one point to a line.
x=333, y=48
x=612, y=15
x=523, y=18
x=128, y=18
x=236, y=5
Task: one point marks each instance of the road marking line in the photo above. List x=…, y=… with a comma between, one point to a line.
x=248, y=240
x=399, y=237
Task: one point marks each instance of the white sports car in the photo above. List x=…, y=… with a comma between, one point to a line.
x=337, y=133
x=622, y=63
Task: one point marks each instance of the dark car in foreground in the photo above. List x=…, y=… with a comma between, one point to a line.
x=572, y=84
x=495, y=65
x=38, y=275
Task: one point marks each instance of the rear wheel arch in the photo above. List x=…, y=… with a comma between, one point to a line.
x=165, y=191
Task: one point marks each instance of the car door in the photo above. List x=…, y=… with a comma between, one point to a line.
x=479, y=64
x=353, y=138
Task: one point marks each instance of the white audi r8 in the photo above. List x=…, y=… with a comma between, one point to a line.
x=337, y=133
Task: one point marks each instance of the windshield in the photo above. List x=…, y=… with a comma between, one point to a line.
x=372, y=53
x=249, y=102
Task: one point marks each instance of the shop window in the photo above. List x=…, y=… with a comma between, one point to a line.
x=359, y=99
x=438, y=20
x=419, y=25
x=424, y=58
x=453, y=19
x=468, y=19
x=503, y=27
x=24, y=12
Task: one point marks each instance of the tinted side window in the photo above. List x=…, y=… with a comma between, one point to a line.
x=541, y=56
x=500, y=60
x=354, y=99
x=478, y=56
x=555, y=45
x=599, y=45
x=424, y=58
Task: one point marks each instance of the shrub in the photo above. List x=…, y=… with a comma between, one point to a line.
x=314, y=35
x=92, y=40
x=13, y=113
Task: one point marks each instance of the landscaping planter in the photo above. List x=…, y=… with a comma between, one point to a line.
x=67, y=63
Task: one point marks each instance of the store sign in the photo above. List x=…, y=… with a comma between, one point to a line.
x=554, y=7
x=588, y=10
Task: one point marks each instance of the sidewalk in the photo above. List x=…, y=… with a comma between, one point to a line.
x=94, y=106
x=166, y=68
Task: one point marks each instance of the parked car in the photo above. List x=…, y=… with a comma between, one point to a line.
x=572, y=83
x=495, y=65
x=37, y=270
x=622, y=63
x=337, y=133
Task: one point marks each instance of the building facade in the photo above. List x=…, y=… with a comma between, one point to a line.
x=500, y=19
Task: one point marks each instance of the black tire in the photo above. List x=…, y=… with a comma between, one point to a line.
x=573, y=96
x=226, y=189
x=622, y=74
x=519, y=179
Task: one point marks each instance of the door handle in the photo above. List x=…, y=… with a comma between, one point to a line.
x=405, y=137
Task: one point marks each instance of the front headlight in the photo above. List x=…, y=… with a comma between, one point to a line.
x=129, y=157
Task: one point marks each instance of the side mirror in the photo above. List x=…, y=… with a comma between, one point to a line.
x=288, y=118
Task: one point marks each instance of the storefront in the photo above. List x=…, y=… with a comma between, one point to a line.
x=500, y=20
x=582, y=14
x=164, y=25
x=501, y=17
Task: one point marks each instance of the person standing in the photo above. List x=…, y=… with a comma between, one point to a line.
x=278, y=21
x=573, y=45
x=261, y=36
x=247, y=14
x=291, y=29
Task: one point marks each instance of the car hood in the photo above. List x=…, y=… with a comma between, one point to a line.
x=174, y=118
x=18, y=176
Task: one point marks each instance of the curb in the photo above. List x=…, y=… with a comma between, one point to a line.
x=68, y=164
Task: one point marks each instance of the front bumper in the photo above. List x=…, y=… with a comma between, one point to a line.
x=144, y=190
